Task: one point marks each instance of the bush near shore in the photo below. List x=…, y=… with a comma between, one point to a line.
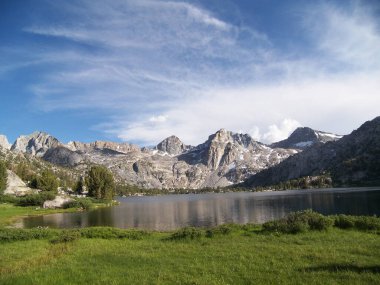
x=294, y=223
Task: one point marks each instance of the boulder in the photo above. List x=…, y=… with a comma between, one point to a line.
x=58, y=202
x=17, y=187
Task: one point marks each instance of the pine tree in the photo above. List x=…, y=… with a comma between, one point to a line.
x=100, y=183
x=3, y=177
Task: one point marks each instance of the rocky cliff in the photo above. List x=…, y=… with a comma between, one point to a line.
x=4, y=142
x=173, y=146
x=102, y=145
x=36, y=144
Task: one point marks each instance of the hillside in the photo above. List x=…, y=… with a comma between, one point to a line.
x=352, y=160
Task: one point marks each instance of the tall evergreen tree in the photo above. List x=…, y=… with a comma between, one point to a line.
x=3, y=177
x=100, y=183
x=47, y=181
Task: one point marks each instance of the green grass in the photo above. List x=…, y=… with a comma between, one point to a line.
x=9, y=213
x=243, y=256
x=228, y=254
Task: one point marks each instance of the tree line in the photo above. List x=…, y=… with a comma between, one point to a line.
x=98, y=180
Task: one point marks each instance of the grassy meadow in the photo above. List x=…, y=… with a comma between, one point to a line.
x=328, y=250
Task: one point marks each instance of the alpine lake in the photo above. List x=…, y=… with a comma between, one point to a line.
x=169, y=212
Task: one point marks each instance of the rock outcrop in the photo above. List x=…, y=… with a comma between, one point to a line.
x=102, y=145
x=36, y=144
x=4, y=142
x=173, y=146
x=58, y=202
x=63, y=156
x=17, y=187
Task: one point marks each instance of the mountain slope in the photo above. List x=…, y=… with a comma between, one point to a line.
x=303, y=138
x=352, y=160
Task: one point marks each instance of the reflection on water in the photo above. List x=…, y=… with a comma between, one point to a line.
x=203, y=210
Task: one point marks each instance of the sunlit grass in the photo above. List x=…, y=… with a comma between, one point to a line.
x=240, y=257
x=9, y=213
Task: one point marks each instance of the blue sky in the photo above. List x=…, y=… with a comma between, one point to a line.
x=141, y=70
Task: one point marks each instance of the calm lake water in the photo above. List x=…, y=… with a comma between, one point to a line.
x=203, y=210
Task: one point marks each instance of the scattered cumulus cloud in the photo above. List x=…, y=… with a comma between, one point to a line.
x=282, y=131
x=158, y=119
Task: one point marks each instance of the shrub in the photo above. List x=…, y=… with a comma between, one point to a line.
x=319, y=222
x=186, y=233
x=364, y=223
x=297, y=222
x=220, y=230
x=344, y=222
x=66, y=236
x=71, y=204
x=86, y=203
x=35, y=199
x=8, y=199
x=112, y=233
x=9, y=235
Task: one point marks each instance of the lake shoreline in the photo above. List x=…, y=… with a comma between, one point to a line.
x=194, y=192
x=168, y=212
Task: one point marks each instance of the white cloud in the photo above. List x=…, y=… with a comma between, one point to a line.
x=349, y=34
x=277, y=133
x=160, y=68
x=337, y=105
x=158, y=119
x=254, y=133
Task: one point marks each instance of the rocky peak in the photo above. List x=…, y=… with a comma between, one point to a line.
x=216, y=145
x=172, y=145
x=305, y=137
x=36, y=143
x=4, y=142
x=224, y=147
x=221, y=136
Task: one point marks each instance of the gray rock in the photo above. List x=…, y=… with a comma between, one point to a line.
x=173, y=146
x=17, y=187
x=102, y=145
x=58, y=202
x=36, y=144
x=4, y=142
x=63, y=156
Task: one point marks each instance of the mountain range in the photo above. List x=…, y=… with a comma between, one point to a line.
x=224, y=159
